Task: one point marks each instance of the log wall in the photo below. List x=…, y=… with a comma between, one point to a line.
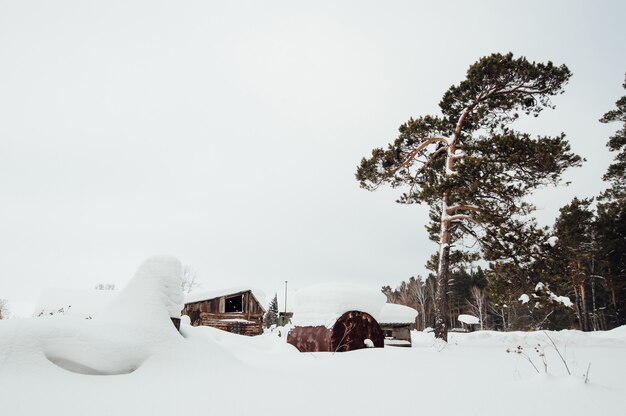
x=211, y=312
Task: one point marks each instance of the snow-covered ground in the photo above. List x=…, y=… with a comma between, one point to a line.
x=214, y=372
x=128, y=359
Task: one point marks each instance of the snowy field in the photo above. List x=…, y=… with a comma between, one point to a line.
x=214, y=372
x=129, y=360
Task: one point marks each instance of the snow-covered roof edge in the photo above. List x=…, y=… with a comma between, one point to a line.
x=199, y=296
x=468, y=319
x=392, y=313
x=323, y=304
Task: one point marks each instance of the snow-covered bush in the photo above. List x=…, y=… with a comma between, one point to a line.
x=543, y=309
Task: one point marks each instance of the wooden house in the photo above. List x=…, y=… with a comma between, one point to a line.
x=239, y=311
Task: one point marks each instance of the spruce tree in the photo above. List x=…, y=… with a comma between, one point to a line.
x=469, y=166
x=271, y=316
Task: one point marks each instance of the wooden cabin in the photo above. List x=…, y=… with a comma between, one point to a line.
x=239, y=311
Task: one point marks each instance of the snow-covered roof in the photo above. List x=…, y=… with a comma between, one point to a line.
x=397, y=314
x=213, y=294
x=468, y=319
x=72, y=302
x=323, y=304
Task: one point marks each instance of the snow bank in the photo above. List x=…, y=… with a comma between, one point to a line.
x=73, y=302
x=397, y=314
x=323, y=304
x=209, y=368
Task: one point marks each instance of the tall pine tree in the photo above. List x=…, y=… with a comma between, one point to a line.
x=469, y=166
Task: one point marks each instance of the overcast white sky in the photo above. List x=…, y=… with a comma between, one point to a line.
x=228, y=133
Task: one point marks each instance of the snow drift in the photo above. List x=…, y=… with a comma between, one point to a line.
x=132, y=327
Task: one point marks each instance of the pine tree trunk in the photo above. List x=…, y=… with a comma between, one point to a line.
x=441, y=301
x=578, y=308
x=441, y=297
x=585, y=308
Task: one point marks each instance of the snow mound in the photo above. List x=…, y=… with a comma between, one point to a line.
x=134, y=326
x=153, y=295
x=323, y=304
x=524, y=298
x=468, y=319
x=397, y=314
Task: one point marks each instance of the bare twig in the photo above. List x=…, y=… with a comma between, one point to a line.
x=520, y=351
x=341, y=344
x=558, y=352
x=587, y=373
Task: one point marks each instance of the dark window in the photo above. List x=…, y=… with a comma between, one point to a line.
x=234, y=304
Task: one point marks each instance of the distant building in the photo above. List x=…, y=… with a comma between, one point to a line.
x=396, y=321
x=469, y=323
x=284, y=318
x=238, y=310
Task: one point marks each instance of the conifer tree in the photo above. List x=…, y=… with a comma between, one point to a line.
x=271, y=316
x=616, y=173
x=573, y=254
x=469, y=166
x=611, y=217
